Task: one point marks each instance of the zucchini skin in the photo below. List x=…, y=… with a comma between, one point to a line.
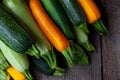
x=14, y=6
x=3, y=62
x=58, y=15
x=12, y=34
x=73, y=11
x=41, y=65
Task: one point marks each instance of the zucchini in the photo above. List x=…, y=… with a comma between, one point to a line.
x=18, y=61
x=77, y=17
x=3, y=62
x=42, y=66
x=3, y=66
x=14, y=6
x=20, y=9
x=82, y=39
x=12, y=34
x=75, y=14
x=56, y=12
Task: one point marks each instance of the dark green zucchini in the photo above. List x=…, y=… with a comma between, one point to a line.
x=56, y=12
x=77, y=17
x=42, y=66
x=75, y=14
x=12, y=34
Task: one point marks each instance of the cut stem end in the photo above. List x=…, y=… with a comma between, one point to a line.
x=99, y=26
x=68, y=56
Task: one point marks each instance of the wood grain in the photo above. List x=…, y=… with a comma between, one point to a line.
x=111, y=42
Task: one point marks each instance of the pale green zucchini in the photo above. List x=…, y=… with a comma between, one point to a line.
x=18, y=61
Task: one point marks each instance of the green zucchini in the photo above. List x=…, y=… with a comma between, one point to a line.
x=3, y=66
x=75, y=14
x=3, y=62
x=42, y=66
x=82, y=39
x=21, y=11
x=77, y=17
x=18, y=61
x=12, y=34
x=56, y=12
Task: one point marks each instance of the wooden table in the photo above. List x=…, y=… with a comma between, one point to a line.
x=105, y=61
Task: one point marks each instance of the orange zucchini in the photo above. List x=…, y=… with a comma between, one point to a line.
x=93, y=15
x=16, y=75
x=51, y=31
x=57, y=14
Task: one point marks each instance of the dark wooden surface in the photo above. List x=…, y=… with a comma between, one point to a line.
x=105, y=61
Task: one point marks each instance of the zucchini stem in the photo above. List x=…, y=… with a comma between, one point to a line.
x=99, y=26
x=50, y=58
x=28, y=75
x=48, y=55
x=88, y=46
x=84, y=27
x=59, y=71
x=67, y=53
x=33, y=51
x=84, y=60
x=82, y=39
x=79, y=56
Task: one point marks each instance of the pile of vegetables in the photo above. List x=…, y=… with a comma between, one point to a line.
x=42, y=33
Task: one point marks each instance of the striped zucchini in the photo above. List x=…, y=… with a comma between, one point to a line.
x=20, y=9
x=12, y=34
